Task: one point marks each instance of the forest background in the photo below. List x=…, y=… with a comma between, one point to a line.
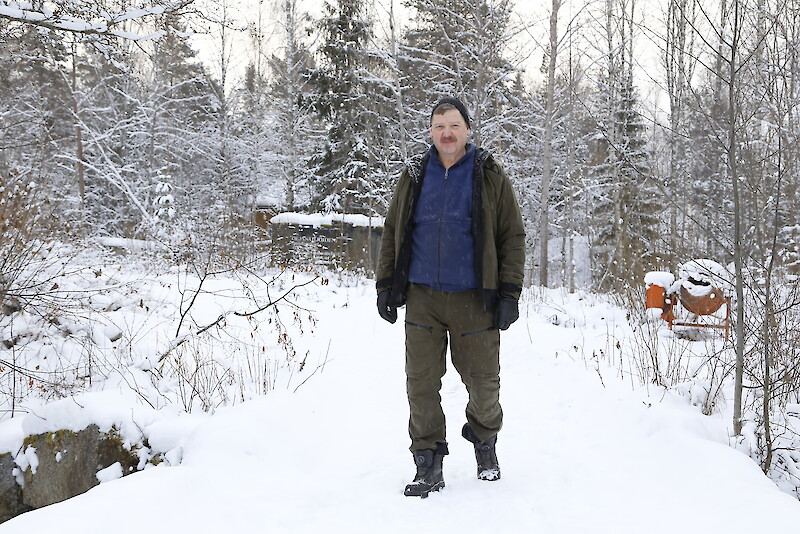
x=111, y=126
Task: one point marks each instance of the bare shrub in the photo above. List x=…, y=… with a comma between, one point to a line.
x=27, y=271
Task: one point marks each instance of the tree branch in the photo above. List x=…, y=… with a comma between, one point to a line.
x=46, y=18
x=177, y=342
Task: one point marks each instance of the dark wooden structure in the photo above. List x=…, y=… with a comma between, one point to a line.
x=333, y=242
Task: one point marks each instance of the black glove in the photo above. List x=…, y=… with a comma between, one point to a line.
x=387, y=312
x=507, y=312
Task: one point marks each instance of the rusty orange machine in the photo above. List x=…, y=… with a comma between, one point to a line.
x=699, y=298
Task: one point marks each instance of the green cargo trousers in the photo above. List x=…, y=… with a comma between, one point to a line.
x=475, y=352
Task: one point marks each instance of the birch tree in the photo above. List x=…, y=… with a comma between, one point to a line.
x=295, y=130
x=679, y=67
x=547, y=171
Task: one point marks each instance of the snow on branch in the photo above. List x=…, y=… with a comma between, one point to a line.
x=51, y=15
x=180, y=339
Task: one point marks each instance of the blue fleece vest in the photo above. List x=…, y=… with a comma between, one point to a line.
x=442, y=247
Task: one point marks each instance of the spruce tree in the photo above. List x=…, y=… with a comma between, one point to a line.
x=457, y=48
x=627, y=207
x=180, y=123
x=350, y=95
x=292, y=126
x=35, y=106
x=146, y=132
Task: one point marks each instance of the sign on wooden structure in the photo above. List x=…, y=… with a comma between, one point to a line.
x=334, y=241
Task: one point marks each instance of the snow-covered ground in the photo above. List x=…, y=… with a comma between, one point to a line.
x=584, y=448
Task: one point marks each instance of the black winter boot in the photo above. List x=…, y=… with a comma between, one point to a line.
x=429, y=471
x=485, y=454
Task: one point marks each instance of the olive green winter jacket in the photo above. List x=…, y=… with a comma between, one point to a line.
x=497, y=231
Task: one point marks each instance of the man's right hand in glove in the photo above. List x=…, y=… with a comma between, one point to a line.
x=387, y=312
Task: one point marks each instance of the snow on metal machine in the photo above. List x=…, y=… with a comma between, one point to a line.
x=699, y=298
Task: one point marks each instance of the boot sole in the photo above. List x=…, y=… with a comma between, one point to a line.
x=417, y=491
x=489, y=475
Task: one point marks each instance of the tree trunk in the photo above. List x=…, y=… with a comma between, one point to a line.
x=738, y=248
x=294, y=91
x=79, y=168
x=678, y=50
x=398, y=88
x=547, y=172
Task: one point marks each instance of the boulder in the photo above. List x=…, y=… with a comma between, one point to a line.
x=68, y=463
x=11, y=504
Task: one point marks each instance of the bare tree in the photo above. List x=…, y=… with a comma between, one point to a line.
x=547, y=167
x=679, y=67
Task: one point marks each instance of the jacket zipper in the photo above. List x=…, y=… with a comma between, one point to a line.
x=439, y=247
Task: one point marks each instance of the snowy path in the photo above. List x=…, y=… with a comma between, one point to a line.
x=577, y=456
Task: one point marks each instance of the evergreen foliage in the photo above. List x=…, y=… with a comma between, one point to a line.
x=35, y=102
x=456, y=48
x=628, y=209
x=288, y=129
x=350, y=172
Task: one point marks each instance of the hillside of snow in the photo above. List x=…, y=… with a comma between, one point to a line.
x=307, y=429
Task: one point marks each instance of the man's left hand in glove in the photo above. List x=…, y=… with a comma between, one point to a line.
x=506, y=313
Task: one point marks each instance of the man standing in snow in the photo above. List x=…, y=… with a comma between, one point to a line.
x=453, y=252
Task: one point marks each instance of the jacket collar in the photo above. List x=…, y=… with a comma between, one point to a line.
x=434, y=155
x=417, y=163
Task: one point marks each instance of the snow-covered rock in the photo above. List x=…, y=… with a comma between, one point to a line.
x=60, y=465
x=11, y=504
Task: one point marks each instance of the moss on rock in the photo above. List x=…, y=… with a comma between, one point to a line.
x=69, y=462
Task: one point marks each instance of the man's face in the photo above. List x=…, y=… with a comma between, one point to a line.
x=449, y=133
